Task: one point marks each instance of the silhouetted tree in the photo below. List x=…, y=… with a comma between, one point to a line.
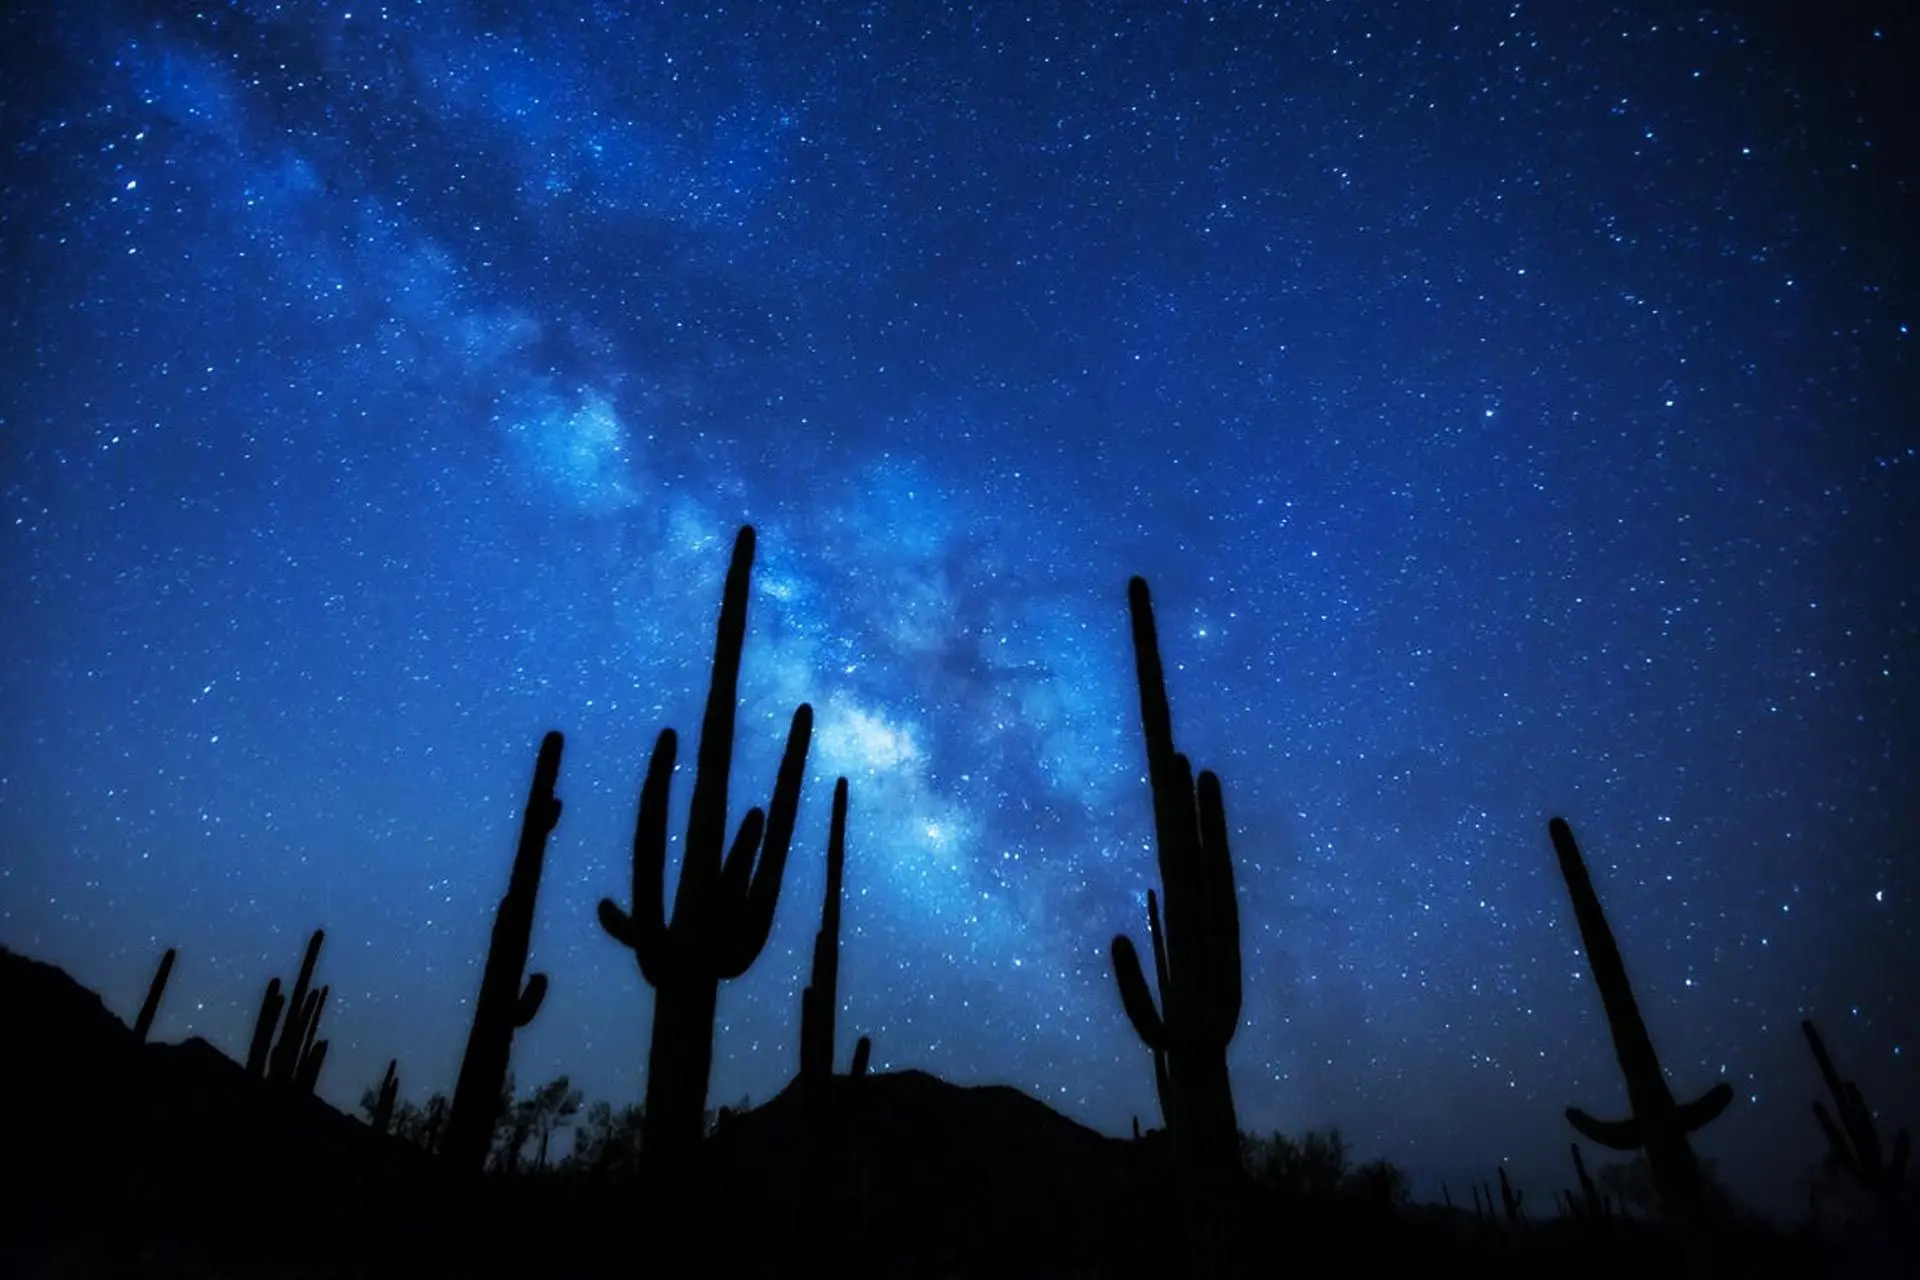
x=1313, y=1168
x=551, y=1109
x=608, y=1142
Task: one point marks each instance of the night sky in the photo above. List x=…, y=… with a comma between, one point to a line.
x=1513, y=408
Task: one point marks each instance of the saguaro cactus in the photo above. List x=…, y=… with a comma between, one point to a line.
x=1852, y=1136
x=143, y=1024
x=723, y=907
x=1658, y=1125
x=294, y=1061
x=504, y=1005
x=820, y=1000
x=1197, y=964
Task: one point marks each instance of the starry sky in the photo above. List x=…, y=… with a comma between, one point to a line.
x=1511, y=405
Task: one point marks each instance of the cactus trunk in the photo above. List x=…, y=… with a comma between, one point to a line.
x=504, y=1004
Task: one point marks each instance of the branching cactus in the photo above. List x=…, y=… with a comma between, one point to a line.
x=143, y=1024
x=383, y=1103
x=1196, y=964
x=294, y=1061
x=723, y=908
x=1657, y=1124
x=1852, y=1136
x=505, y=1005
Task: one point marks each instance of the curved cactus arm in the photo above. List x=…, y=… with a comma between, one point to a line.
x=1134, y=994
x=1618, y=1135
x=1705, y=1109
x=530, y=999
x=783, y=813
x=617, y=923
x=652, y=944
x=1159, y=944
x=736, y=869
x=644, y=932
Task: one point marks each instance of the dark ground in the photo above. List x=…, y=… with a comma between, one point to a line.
x=132, y=1159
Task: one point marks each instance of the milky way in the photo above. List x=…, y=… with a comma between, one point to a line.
x=1514, y=412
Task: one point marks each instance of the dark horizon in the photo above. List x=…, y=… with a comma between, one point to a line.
x=1515, y=417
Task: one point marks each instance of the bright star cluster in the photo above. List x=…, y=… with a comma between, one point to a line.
x=1512, y=407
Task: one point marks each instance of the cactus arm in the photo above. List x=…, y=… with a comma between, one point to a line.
x=264, y=1026
x=618, y=924
x=755, y=924
x=530, y=999
x=1135, y=997
x=736, y=869
x=1705, y=1109
x=653, y=946
x=1616, y=1135
x=509, y=997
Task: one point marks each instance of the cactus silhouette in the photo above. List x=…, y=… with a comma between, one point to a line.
x=504, y=1005
x=1658, y=1125
x=1852, y=1136
x=382, y=1118
x=294, y=1060
x=723, y=907
x=143, y=1024
x=820, y=1000
x=1196, y=964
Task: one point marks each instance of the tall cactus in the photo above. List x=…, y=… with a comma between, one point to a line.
x=820, y=1000
x=504, y=1005
x=143, y=1024
x=1199, y=973
x=723, y=907
x=1852, y=1136
x=1658, y=1125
